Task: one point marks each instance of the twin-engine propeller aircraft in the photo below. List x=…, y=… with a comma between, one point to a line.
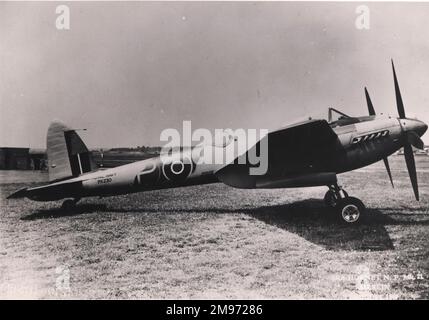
x=305, y=154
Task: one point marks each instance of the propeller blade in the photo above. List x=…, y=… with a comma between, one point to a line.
x=399, y=103
x=386, y=164
x=411, y=166
x=414, y=139
x=369, y=103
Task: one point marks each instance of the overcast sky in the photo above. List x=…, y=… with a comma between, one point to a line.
x=126, y=71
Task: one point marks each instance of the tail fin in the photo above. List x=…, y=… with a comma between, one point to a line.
x=67, y=154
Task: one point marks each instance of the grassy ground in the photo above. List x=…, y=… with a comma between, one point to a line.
x=218, y=242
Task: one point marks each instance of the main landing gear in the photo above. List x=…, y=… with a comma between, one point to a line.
x=349, y=209
x=69, y=204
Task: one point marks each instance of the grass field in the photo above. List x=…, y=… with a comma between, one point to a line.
x=214, y=241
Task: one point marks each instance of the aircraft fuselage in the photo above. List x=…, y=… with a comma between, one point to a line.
x=359, y=144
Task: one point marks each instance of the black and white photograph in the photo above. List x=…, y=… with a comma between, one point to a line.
x=214, y=151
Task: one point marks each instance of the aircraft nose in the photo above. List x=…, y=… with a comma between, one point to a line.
x=421, y=128
x=414, y=125
x=425, y=128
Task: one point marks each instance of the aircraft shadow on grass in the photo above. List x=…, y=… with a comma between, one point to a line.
x=53, y=213
x=310, y=219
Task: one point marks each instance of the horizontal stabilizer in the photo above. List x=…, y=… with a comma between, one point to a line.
x=50, y=192
x=21, y=193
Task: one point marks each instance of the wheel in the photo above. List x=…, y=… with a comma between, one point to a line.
x=68, y=205
x=329, y=199
x=350, y=209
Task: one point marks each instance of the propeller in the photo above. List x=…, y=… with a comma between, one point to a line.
x=371, y=112
x=414, y=139
x=369, y=103
x=411, y=138
x=411, y=166
x=386, y=164
x=399, y=103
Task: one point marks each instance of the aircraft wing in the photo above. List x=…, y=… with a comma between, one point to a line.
x=300, y=149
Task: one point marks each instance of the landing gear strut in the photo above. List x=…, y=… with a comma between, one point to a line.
x=349, y=209
x=69, y=204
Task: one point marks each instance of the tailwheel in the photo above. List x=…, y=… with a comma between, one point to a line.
x=69, y=204
x=350, y=210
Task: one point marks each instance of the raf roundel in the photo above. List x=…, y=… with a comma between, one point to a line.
x=178, y=169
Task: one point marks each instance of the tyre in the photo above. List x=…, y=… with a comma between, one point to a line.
x=350, y=210
x=68, y=205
